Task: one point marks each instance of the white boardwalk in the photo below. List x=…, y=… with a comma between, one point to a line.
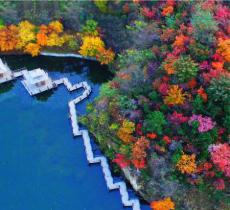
x=134, y=203
x=121, y=186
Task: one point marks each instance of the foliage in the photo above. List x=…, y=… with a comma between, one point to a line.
x=1, y=24
x=187, y=164
x=175, y=96
x=125, y=131
x=26, y=34
x=54, y=40
x=72, y=43
x=199, y=51
x=32, y=48
x=135, y=57
x=165, y=204
x=41, y=38
x=94, y=46
x=138, y=151
x=220, y=155
x=185, y=69
x=105, y=56
x=204, y=25
x=224, y=49
x=205, y=123
x=90, y=28
x=30, y=39
x=101, y=5
x=8, y=38
x=121, y=161
x=55, y=27
x=218, y=91
x=155, y=122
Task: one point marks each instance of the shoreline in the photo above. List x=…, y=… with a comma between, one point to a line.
x=71, y=55
x=54, y=54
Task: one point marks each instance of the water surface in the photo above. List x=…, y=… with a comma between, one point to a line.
x=42, y=166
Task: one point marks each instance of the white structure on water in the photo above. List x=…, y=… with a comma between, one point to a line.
x=37, y=81
x=5, y=72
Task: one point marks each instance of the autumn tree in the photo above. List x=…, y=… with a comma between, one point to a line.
x=139, y=148
x=125, y=131
x=26, y=34
x=42, y=35
x=32, y=48
x=8, y=38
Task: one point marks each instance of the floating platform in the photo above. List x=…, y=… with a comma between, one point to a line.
x=37, y=81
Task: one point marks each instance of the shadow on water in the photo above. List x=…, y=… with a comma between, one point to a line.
x=96, y=72
x=5, y=87
x=44, y=96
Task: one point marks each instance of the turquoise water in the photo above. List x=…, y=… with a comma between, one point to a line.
x=42, y=167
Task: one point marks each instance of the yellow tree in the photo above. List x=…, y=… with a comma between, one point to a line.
x=91, y=45
x=32, y=48
x=55, y=27
x=26, y=34
x=125, y=131
x=55, y=40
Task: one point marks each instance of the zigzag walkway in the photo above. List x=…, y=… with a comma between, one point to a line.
x=134, y=203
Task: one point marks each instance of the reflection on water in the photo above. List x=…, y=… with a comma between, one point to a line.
x=44, y=96
x=6, y=87
x=95, y=72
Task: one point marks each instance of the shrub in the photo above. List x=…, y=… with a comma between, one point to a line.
x=139, y=57
x=187, y=164
x=73, y=44
x=90, y=28
x=105, y=56
x=102, y=5
x=220, y=155
x=185, y=69
x=199, y=52
x=154, y=122
x=1, y=24
x=219, y=90
x=107, y=91
x=175, y=96
x=204, y=26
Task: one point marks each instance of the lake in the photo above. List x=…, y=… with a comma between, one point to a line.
x=42, y=166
